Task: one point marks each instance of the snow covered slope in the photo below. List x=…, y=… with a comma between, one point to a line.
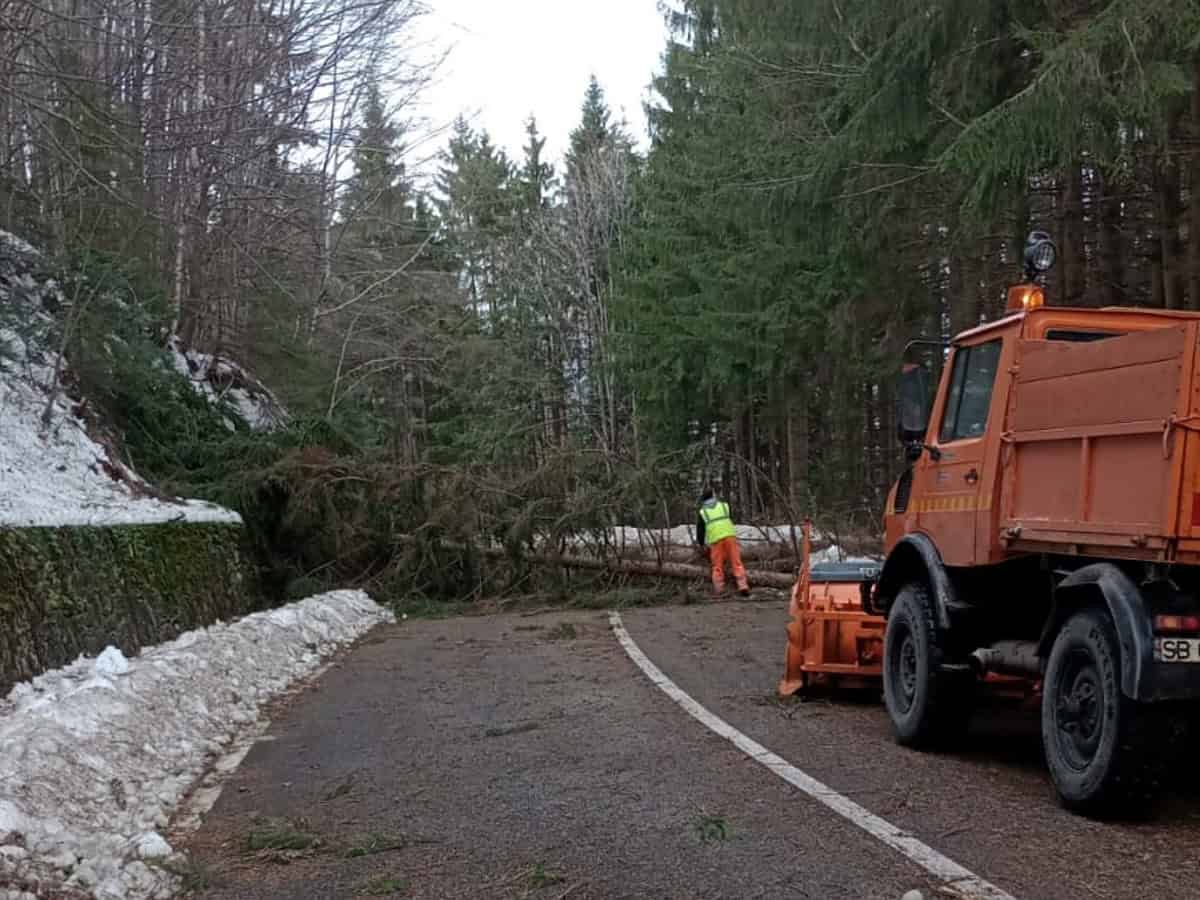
x=52, y=471
x=95, y=758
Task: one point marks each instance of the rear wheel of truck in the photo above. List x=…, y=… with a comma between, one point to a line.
x=928, y=706
x=1099, y=744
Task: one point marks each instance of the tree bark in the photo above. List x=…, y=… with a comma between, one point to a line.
x=1169, y=282
x=1113, y=248
x=1074, y=263
x=648, y=567
x=797, y=448
x=1194, y=190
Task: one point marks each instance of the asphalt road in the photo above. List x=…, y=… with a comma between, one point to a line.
x=516, y=756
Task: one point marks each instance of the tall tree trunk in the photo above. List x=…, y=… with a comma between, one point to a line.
x=1194, y=193
x=741, y=439
x=1112, y=243
x=1169, y=281
x=887, y=434
x=1020, y=228
x=1071, y=225
x=959, y=301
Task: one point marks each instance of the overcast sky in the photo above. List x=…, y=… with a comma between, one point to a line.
x=510, y=59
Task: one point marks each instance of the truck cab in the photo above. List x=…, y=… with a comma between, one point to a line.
x=952, y=491
x=1048, y=527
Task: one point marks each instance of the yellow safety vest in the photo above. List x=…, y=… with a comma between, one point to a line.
x=717, y=523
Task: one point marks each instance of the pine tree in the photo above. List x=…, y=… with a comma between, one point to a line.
x=476, y=206
x=593, y=130
x=595, y=135
x=375, y=207
x=536, y=175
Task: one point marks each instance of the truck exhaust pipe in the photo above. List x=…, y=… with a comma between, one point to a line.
x=1008, y=658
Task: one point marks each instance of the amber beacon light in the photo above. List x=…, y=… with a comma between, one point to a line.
x=1040, y=254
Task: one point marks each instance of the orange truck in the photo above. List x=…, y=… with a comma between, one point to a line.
x=1048, y=528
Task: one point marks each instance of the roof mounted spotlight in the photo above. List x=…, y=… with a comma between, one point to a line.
x=1040, y=254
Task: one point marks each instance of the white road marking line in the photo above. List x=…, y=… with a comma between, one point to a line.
x=964, y=882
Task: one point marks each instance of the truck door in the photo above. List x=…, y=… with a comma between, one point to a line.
x=952, y=475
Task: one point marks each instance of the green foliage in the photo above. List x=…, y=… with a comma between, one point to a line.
x=542, y=356
x=280, y=835
x=828, y=180
x=535, y=174
x=476, y=202
x=563, y=631
x=711, y=829
x=731, y=281
x=379, y=842
x=116, y=322
x=375, y=204
x=175, y=437
x=67, y=591
x=383, y=886
x=195, y=875
x=541, y=876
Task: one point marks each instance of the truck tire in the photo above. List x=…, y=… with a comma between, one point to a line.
x=1100, y=745
x=927, y=706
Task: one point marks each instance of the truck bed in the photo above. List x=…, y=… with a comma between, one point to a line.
x=1099, y=453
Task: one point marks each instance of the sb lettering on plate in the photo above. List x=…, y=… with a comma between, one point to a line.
x=1176, y=650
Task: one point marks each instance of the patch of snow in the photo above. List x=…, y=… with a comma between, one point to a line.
x=96, y=757
x=56, y=474
x=757, y=541
x=753, y=538
x=111, y=662
x=152, y=845
x=835, y=554
x=12, y=821
x=52, y=472
x=217, y=379
x=685, y=536
x=15, y=243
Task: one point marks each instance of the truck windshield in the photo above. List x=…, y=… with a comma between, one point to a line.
x=970, y=393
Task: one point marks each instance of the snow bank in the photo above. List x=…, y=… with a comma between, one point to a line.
x=52, y=472
x=219, y=379
x=96, y=757
x=17, y=245
x=58, y=475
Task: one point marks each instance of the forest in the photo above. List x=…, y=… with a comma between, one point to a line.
x=474, y=347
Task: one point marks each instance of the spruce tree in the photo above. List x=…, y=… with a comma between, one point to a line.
x=536, y=175
x=375, y=203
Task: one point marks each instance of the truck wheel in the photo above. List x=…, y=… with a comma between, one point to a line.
x=927, y=706
x=1099, y=744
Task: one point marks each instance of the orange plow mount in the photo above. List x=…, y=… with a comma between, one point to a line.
x=830, y=636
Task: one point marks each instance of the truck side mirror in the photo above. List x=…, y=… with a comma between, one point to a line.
x=912, y=404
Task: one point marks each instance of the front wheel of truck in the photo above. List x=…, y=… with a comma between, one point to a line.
x=1099, y=744
x=928, y=706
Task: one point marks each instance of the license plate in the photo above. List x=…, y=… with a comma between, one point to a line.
x=1177, y=650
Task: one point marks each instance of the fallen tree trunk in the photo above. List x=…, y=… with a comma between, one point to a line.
x=769, y=555
x=649, y=567
x=653, y=568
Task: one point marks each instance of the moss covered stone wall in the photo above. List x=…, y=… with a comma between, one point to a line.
x=67, y=591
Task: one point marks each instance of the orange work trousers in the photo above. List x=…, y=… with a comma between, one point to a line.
x=718, y=553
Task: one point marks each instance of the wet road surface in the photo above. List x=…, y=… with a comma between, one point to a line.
x=527, y=756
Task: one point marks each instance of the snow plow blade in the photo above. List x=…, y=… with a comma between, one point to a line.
x=831, y=638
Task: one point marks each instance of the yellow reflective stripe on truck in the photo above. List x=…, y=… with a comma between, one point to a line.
x=953, y=503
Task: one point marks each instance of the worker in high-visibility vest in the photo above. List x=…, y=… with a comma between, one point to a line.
x=715, y=533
